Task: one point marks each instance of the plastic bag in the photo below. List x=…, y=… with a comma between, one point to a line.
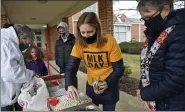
x=34, y=95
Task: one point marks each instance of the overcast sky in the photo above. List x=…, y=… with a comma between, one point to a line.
x=132, y=5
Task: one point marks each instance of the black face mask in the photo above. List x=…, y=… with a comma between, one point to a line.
x=91, y=39
x=154, y=26
x=23, y=46
x=62, y=34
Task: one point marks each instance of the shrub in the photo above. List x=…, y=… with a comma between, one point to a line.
x=128, y=71
x=131, y=47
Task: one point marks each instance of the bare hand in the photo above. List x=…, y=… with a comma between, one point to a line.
x=36, y=75
x=138, y=94
x=73, y=93
x=146, y=106
x=102, y=87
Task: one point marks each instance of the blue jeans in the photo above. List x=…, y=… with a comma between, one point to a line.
x=111, y=107
x=12, y=107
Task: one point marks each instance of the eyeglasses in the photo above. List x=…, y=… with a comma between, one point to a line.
x=147, y=18
x=23, y=36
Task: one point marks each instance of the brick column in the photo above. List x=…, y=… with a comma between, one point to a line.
x=105, y=10
x=3, y=19
x=70, y=24
x=51, y=37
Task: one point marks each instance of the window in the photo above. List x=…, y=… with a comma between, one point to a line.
x=128, y=28
x=39, y=44
x=37, y=32
x=122, y=28
x=38, y=38
x=122, y=35
x=120, y=32
x=116, y=29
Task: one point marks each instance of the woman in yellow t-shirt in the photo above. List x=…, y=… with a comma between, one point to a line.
x=103, y=60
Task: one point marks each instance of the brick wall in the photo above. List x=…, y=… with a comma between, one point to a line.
x=73, y=23
x=75, y=20
x=105, y=10
x=135, y=32
x=105, y=15
x=70, y=24
x=51, y=37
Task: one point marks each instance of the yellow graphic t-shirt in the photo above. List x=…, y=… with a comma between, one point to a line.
x=98, y=60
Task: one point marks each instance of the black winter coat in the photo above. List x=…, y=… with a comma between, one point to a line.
x=167, y=74
x=63, y=50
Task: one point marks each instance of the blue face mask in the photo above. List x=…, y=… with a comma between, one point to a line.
x=90, y=39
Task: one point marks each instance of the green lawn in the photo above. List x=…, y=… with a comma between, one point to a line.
x=134, y=62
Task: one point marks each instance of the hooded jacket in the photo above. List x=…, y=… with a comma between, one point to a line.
x=13, y=69
x=63, y=48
